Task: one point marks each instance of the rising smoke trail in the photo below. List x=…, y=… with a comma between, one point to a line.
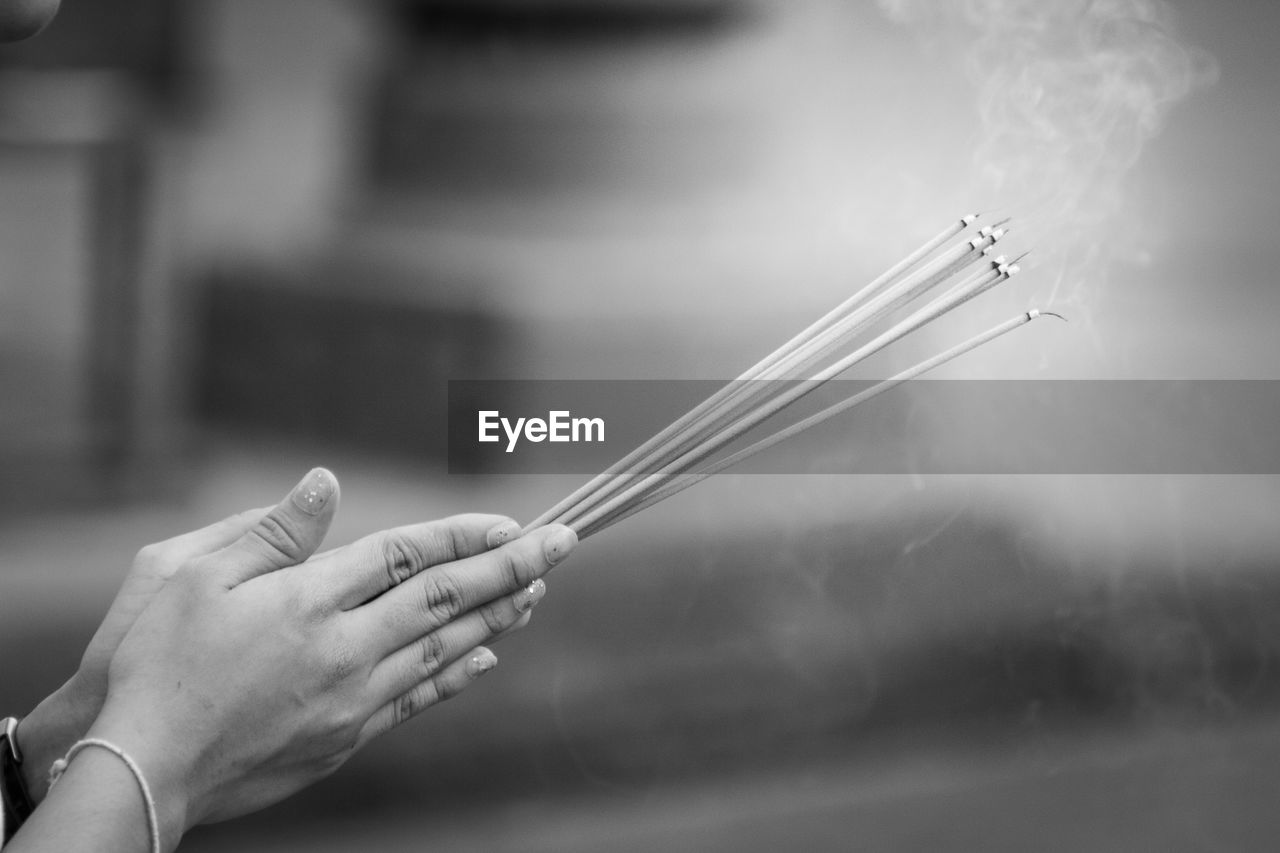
x=1069, y=92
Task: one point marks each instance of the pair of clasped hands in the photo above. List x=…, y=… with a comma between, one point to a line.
x=237, y=665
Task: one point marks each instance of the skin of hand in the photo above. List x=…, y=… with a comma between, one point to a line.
x=21, y=19
x=63, y=718
x=249, y=676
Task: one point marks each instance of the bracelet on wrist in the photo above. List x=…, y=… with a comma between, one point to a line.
x=148, y=800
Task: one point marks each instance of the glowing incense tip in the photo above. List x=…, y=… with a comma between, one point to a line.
x=985, y=231
x=997, y=234
x=1014, y=269
x=977, y=242
x=966, y=221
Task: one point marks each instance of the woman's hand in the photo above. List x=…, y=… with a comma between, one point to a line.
x=63, y=718
x=249, y=677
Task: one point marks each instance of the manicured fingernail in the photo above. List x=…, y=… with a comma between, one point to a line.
x=558, y=545
x=501, y=533
x=530, y=595
x=481, y=662
x=314, y=492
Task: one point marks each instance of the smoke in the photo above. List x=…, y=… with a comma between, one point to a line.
x=1069, y=92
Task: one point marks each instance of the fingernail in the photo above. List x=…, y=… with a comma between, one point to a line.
x=481, y=663
x=315, y=491
x=558, y=545
x=530, y=595
x=501, y=533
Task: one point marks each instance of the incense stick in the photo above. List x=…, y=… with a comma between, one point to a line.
x=723, y=408
x=832, y=316
x=677, y=456
x=616, y=511
x=786, y=397
x=724, y=430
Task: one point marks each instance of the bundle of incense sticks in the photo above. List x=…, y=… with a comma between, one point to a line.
x=682, y=454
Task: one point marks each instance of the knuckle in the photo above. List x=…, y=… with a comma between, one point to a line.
x=404, y=709
x=459, y=547
x=157, y=560
x=150, y=555
x=516, y=569
x=341, y=662
x=343, y=723
x=416, y=701
x=412, y=550
x=314, y=601
x=453, y=539
x=496, y=616
x=276, y=533
x=433, y=653
x=402, y=557
x=442, y=597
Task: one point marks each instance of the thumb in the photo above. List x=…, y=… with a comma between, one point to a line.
x=287, y=535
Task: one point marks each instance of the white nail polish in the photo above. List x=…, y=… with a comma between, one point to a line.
x=481, y=663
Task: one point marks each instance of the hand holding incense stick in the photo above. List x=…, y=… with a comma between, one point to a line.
x=677, y=457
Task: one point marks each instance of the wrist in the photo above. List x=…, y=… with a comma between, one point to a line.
x=167, y=771
x=46, y=733
x=15, y=803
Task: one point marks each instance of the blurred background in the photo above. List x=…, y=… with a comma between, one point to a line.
x=238, y=239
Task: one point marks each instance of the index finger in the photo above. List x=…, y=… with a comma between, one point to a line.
x=370, y=566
